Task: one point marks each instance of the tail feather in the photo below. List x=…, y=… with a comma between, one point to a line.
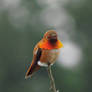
x=33, y=68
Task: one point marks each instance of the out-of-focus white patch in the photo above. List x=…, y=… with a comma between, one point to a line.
x=9, y=3
x=70, y=55
x=19, y=17
x=54, y=17
x=52, y=2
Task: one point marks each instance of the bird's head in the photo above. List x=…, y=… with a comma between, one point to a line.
x=51, y=36
x=50, y=41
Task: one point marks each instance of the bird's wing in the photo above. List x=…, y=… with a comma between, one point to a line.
x=34, y=66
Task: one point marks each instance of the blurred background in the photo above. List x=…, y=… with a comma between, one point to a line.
x=22, y=25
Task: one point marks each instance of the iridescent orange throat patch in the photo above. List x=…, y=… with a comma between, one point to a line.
x=47, y=45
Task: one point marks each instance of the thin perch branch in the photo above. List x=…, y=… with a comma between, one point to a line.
x=53, y=87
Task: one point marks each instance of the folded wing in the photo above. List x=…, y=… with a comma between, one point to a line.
x=34, y=66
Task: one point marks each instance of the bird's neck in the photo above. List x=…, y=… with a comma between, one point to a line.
x=50, y=46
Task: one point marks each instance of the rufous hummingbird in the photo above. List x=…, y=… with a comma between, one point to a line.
x=45, y=52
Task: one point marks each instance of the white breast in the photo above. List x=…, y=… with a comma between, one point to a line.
x=42, y=64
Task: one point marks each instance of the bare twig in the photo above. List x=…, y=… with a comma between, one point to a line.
x=53, y=87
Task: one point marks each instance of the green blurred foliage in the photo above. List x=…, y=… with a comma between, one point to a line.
x=16, y=46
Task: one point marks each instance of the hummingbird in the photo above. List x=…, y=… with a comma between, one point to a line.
x=45, y=52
